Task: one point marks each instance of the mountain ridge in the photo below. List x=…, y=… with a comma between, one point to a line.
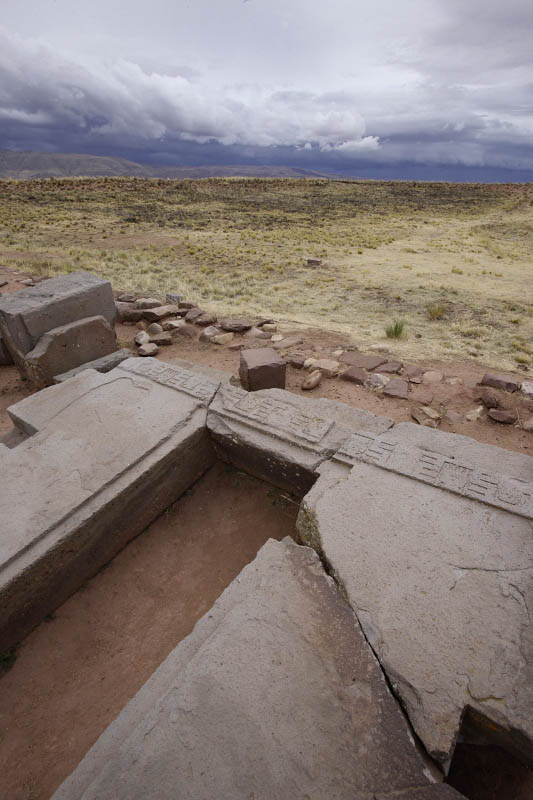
x=29, y=165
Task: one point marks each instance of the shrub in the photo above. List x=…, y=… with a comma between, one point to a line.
x=395, y=329
x=436, y=311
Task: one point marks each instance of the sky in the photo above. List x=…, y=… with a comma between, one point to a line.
x=393, y=88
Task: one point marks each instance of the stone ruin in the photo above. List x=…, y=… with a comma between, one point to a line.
x=348, y=665
x=57, y=326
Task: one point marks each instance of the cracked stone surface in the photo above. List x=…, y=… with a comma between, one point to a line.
x=104, y=455
x=430, y=535
x=275, y=694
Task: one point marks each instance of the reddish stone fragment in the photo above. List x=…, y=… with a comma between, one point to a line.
x=397, y=387
x=355, y=375
x=354, y=359
x=503, y=416
x=499, y=380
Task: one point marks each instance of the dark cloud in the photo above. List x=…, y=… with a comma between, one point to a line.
x=418, y=87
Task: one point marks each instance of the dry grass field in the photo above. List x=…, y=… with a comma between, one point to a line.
x=448, y=268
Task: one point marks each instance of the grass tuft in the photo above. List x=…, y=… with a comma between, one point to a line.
x=395, y=329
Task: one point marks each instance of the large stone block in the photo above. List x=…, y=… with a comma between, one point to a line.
x=29, y=313
x=275, y=695
x=430, y=535
x=262, y=369
x=282, y=437
x=105, y=455
x=67, y=347
x=5, y=356
x=104, y=364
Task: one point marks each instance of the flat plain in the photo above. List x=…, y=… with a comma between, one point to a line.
x=446, y=267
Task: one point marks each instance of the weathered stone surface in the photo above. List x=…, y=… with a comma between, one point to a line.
x=256, y=333
x=173, y=298
x=29, y=313
x=312, y=380
x=422, y=418
x=159, y=313
x=314, y=262
x=64, y=348
x=528, y=425
x=221, y=338
x=173, y=325
x=296, y=360
x=187, y=330
x=413, y=372
x=162, y=339
x=500, y=380
x=438, y=791
x=397, y=387
x=442, y=590
x=186, y=304
x=262, y=369
x=391, y=367
x=147, y=302
x=280, y=436
x=148, y=349
x=106, y=455
x=268, y=327
x=206, y=319
x=208, y=333
x=487, y=396
x=502, y=416
x=235, y=325
x=194, y=314
x=154, y=328
x=527, y=389
x=287, y=341
x=143, y=337
x=126, y=312
x=377, y=381
x=355, y=375
x=104, y=364
x=327, y=367
x=354, y=359
x=432, y=376
x=127, y=298
x=274, y=695
x=5, y=356
x=475, y=414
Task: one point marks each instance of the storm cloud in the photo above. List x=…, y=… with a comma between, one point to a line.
x=342, y=85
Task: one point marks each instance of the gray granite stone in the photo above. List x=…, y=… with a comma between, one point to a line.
x=106, y=454
x=275, y=694
x=282, y=437
x=430, y=533
x=104, y=364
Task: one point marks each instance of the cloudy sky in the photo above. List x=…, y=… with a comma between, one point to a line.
x=407, y=88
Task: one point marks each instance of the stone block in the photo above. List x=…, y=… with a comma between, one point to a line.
x=145, y=303
x=327, y=367
x=29, y=313
x=275, y=694
x=104, y=364
x=235, y=325
x=355, y=375
x=282, y=437
x=354, y=359
x=106, y=454
x=128, y=313
x=429, y=534
x=262, y=369
x=159, y=313
x=397, y=387
x=500, y=380
x=64, y=348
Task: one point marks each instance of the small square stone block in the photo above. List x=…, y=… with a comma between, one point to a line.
x=262, y=369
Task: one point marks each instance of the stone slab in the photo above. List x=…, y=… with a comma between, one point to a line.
x=281, y=437
x=104, y=364
x=106, y=454
x=29, y=313
x=430, y=535
x=275, y=694
x=69, y=346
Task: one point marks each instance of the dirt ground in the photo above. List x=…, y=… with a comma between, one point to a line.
x=321, y=343
x=74, y=673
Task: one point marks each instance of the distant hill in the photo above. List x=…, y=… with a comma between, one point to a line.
x=28, y=165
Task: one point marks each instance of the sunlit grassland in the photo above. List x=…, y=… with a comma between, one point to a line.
x=454, y=261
